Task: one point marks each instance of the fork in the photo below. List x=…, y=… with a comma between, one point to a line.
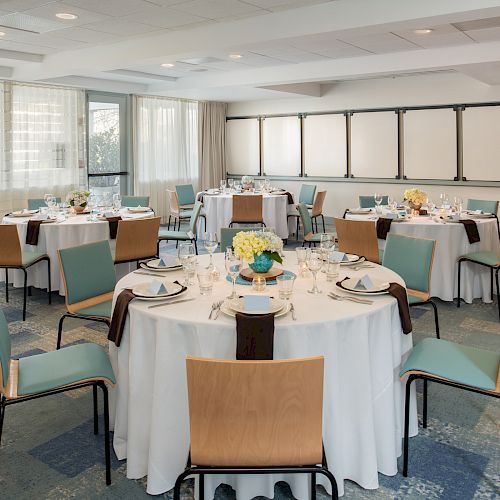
x=214, y=307
x=217, y=308
x=292, y=310
x=352, y=299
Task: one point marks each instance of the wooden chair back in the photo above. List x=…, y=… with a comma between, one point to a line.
x=247, y=208
x=10, y=246
x=319, y=200
x=136, y=239
x=255, y=413
x=173, y=202
x=358, y=237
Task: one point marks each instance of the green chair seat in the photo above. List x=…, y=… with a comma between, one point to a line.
x=164, y=234
x=491, y=259
x=460, y=364
x=30, y=258
x=413, y=299
x=102, y=310
x=186, y=214
x=51, y=370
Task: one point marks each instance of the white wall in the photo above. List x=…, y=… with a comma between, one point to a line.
x=447, y=88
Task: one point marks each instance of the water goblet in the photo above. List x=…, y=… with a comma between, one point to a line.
x=314, y=264
x=230, y=183
x=233, y=267
x=301, y=253
x=47, y=197
x=210, y=243
x=223, y=186
x=378, y=201
x=117, y=202
x=189, y=264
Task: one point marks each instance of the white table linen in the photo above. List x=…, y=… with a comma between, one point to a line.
x=363, y=404
x=74, y=231
x=218, y=210
x=451, y=243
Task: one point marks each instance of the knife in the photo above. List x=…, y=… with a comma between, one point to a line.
x=168, y=303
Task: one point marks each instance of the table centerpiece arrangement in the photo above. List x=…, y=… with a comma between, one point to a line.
x=78, y=200
x=415, y=197
x=247, y=182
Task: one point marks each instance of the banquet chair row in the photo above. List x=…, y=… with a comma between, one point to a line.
x=181, y=205
x=310, y=236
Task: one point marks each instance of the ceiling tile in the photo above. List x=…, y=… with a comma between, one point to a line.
x=50, y=10
x=84, y=35
x=110, y=7
x=120, y=27
x=20, y=5
x=216, y=9
x=277, y=5
x=379, y=43
x=163, y=17
x=25, y=47
x=441, y=36
x=485, y=35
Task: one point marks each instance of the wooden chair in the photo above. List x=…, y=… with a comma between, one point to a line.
x=54, y=372
x=317, y=209
x=358, y=237
x=226, y=437
x=247, y=209
x=135, y=201
x=89, y=278
x=451, y=364
x=12, y=257
x=176, y=212
x=136, y=240
x=309, y=235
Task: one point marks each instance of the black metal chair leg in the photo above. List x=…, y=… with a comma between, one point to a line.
x=333, y=483
x=424, y=412
x=178, y=483
x=6, y=285
x=407, y=426
x=59, y=331
x=25, y=289
x=297, y=233
x=49, y=282
x=168, y=225
x=436, y=318
x=106, y=433
x=96, y=416
x=313, y=486
x=195, y=247
x=491, y=282
x=459, y=272
x=201, y=496
x=323, y=220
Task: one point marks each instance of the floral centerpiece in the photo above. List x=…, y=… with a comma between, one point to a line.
x=78, y=199
x=247, y=182
x=259, y=249
x=416, y=198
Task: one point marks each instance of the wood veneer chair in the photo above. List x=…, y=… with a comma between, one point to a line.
x=89, y=278
x=135, y=201
x=358, y=237
x=451, y=364
x=136, y=240
x=247, y=209
x=175, y=210
x=12, y=257
x=226, y=438
x=309, y=235
x=317, y=209
x=54, y=372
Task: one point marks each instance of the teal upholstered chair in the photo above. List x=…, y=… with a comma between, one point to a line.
x=486, y=206
x=451, y=364
x=227, y=234
x=306, y=195
x=88, y=274
x=369, y=201
x=190, y=235
x=185, y=195
x=13, y=257
x=36, y=203
x=50, y=373
x=412, y=258
x=309, y=235
x=135, y=201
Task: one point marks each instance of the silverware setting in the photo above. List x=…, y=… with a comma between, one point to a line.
x=167, y=303
x=334, y=296
x=362, y=266
x=147, y=273
x=292, y=310
x=215, y=309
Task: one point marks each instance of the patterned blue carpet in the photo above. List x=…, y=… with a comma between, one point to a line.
x=49, y=450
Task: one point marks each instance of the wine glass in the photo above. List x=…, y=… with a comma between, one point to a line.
x=189, y=264
x=117, y=202
x=458, y=203
x=444, y=199
x=233, y=267
x=210, y=243
x=92, y=205
x=184, y=252
x=223, y=185
x=47, y=197
x=230, y=183
x=378, y=200
x=314, y=263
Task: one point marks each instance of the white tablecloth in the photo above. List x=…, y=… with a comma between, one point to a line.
x=218, y=210
x=363, y=347
x=451, y=243
x=75, y=230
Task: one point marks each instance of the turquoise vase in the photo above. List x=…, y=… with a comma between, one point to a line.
x=261, y=263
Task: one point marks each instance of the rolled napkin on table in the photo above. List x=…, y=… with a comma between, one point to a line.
x=113, y=226
x=33, y=232
x=290, y=197
x=383, y=227
x=255, y=336
x=470, y=227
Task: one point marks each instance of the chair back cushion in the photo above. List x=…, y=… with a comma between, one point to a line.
x=135, y=201
x=247, y=208
x=305, y=217
x=185, y=194
x=411, y=258
x=484, y=205
x=136, y=239
x=369, y=201
x=87, y=271
x=194, y=216
x=319, y=200
x=358, y=237
x=307, y=192
x=255, y=413
x=36, y=203
x=10, y=246
x=5, y=352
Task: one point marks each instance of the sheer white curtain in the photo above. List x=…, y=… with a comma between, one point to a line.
x=165, y=147
x=43, y=142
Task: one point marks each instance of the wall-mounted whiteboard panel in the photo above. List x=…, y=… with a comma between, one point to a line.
x=242, y=146
x=430, y=144
x=374, y=144
x=281, y=146
x=325, y=145
x=481, y=143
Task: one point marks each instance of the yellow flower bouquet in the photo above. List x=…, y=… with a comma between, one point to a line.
x=252, y=246
x=415, y=196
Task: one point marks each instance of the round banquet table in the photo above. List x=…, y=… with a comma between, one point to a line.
x=218, y=209
x=74, y=231
x=363, y=406
x=451, y=243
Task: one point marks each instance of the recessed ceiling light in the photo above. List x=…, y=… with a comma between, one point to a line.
x=2, y=33
x=168, y=65
x=235, y=56
x=423, y=31
x=66, y=16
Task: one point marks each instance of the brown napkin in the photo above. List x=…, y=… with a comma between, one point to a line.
x=255, y=336
x=470, y=227
x=290, y=197
x=113, y=226
x=33, y=232
x=383, y=227
x=346, y=211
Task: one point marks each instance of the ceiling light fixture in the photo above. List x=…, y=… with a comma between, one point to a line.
x=66, y=16
x=2, y=33
x=423, y=31
x=235, y=56
x=167, y=65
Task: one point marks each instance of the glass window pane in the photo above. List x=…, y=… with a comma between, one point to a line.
x=102, y=184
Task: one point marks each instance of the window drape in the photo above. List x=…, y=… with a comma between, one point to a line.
x=43, y=142
x=165, y=147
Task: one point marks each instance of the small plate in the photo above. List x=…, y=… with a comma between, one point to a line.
x=231, y=312
x=353, y=259
x=141, y=291
x=138, y=210
x=479, y=216
x=153, y=265
x=380, y=287
x=23, y=213
x=360, y=211
x=238, y=305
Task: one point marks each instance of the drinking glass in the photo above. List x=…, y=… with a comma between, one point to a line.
x=189, y=267
x=378, y=200
x=314, y=263
x=92, y=205
x=205, y=281
x=117, y=202
x=233, y=268
x=431, y=206
x=458, y=203
x=210, y=243
x=47, y=197
x=237, y=186
x=285, y=285
x=332, y=269
x=259, y=284
x=230, y=183
x=223, y=185
x=184, y=250
x=301, y=253
x=444, y=199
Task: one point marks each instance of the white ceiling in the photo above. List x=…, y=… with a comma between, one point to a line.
x=121, y=44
